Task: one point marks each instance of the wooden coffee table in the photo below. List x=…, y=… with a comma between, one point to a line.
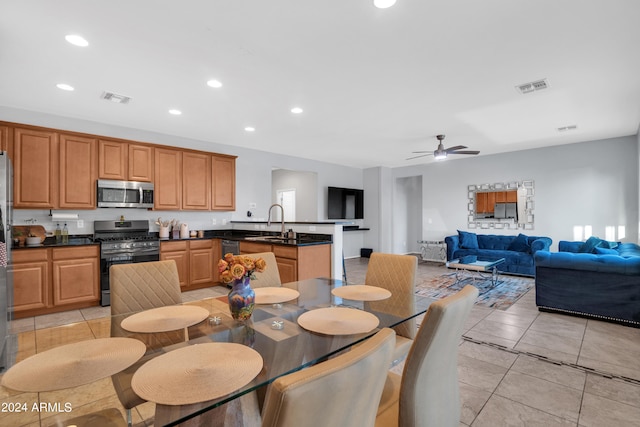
x=480, y=270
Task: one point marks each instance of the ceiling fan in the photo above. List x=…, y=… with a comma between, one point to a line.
x=441, y=153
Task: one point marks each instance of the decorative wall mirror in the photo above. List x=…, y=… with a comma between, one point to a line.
x=501, y=205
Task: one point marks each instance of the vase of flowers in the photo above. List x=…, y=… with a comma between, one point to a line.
x=238, y=270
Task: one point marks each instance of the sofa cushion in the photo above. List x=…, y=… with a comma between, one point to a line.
x=468, y=240
x=604, y=251
x=519, y=244
x=591, y=243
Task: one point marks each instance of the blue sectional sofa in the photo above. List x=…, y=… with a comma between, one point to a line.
x=591, y=281
x=517, y=250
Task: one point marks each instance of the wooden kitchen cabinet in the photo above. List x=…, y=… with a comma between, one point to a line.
x=5, y=142
x=168, y=179
x=124, y=161
x=295, y=262
x=177, y=251
x=49, y=280
x=201, y=262
x=76, y=275
x=223, y=179
x=78, y=172
x=35, y=168
x=195, y=260
x=30, y=280
x=196, y=181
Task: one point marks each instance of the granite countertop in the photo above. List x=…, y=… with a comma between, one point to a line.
x=302, y=239
x=50, y=242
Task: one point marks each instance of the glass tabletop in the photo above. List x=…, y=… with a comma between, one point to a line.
x=272, y=331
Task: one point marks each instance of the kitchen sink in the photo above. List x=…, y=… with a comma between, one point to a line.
x=268, y=238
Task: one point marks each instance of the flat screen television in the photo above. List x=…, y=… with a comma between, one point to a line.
x=345, y=203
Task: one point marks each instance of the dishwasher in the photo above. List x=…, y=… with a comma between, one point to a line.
x=230, y=246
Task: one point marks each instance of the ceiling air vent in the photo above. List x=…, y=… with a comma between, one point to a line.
x=566, y=128
x=533, y=86
x=114, y=97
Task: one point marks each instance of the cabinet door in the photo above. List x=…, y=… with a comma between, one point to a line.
x=112, y=160
x=223, y=195
x=35, y=169
x=140, y=163
x=78, y=172
x=30, y=286
x=168, y=179
x=182, y=262
x=201, y=265
x=491, y=202
x=288, y=269
x=253, y=247
x=4, y=138
x=75, y=280
x=196, y=181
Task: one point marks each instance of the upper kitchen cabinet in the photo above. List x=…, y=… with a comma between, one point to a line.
x=125, y=161
x=223, y=188
x=4, y=138
x=196, y=181
x=168, y=179
x=78, y=172
x=35, y=168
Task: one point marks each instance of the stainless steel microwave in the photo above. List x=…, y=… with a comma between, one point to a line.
x=124, y=194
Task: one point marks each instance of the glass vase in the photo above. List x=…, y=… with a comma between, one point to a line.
x=241, y=299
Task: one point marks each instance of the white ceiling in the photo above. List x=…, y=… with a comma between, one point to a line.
x=375, y=84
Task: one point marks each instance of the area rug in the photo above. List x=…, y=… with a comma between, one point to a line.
x=507, y=291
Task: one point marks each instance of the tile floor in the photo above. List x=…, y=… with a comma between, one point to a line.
x=517, y=367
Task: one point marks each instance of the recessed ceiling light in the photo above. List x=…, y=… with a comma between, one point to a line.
x=214, y=83
x=383, y=4
x=297, y=110
x=175, y=112
x=64, y=86
x=250, y=129
x=76, y=40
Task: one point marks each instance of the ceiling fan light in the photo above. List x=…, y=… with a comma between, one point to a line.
x=440, y=156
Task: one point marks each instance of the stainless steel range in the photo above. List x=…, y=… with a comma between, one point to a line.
x=123, y=242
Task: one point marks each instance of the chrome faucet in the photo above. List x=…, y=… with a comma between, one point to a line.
x=282, y=233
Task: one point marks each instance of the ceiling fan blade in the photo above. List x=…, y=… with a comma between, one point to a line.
x=422, y=152
x=464, y=152
x=422, y=155
x=457, y=147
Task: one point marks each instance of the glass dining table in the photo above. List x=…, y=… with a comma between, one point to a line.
x=273, y=331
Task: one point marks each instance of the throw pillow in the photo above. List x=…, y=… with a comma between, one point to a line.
x=591, y=243
x=605, y=251
x=519, y=244
x=468, y=240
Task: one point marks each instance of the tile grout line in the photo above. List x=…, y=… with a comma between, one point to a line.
x=577, y=366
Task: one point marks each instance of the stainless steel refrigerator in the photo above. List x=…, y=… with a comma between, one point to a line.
x=6, y=282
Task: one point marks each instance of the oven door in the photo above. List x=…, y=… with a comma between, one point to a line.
x=105, y=265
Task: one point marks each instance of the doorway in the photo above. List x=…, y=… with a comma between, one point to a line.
x=287, y=198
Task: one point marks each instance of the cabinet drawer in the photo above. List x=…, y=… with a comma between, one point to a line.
x=253, y=247
x=173, y=246
x=76, y=252
x=285, y=251
x=29, y=255
x=201, y=244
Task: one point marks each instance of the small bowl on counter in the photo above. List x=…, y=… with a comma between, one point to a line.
x=33, y=241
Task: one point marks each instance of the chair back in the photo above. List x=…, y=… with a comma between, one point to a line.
x=270, y=276
x=396, y=273
x=429, y=393
x=343, y=391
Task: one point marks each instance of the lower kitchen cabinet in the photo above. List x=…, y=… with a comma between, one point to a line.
x=295, y=262
x=30, y=280
x=49, y=280
x=75, y=275
x=196, y=261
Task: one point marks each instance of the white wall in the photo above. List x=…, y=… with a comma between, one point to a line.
x=407, y=214
x=591, y=183
x=307, y=192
